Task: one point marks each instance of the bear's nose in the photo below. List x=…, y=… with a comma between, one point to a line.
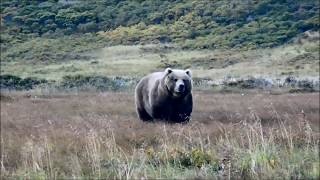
x=181, y=87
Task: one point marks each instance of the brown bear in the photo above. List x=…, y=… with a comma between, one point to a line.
x=165, y=96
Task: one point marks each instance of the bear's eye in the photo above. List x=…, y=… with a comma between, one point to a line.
x=175, y=80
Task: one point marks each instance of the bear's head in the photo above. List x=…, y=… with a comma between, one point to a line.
x=178, y=82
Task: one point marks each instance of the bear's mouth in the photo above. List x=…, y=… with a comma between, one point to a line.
x=178, y=93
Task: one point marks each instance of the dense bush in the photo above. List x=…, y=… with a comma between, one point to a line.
x=250, y=83
x=99, y=83
x=78, y=82
x=11, y=82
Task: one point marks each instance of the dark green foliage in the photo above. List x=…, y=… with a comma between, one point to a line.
x=250, y=83
x=99, y=83
x=193, y=24
x=291, y=83
x=303, y=86
x=11, y=82
x=78, y=82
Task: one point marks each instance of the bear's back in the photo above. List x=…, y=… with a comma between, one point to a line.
x=153, y=78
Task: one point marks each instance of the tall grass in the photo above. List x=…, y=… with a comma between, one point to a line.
x=98, y=136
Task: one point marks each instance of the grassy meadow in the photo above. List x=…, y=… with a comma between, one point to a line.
x=97, y=136
x=50, y=133
x=298, y=60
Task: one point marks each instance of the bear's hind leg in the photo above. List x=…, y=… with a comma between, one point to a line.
x=143, y=115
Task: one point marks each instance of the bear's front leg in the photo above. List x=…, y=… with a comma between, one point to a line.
x=161, y=113
x=182, y=110
x=180, y=118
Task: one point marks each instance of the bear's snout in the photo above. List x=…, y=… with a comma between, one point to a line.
x=181, y=88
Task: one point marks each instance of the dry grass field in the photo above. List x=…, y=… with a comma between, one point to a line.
x=97, y=135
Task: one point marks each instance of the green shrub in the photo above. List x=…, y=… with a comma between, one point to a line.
x=181, y=158
x=99, y=83
x=11, y=82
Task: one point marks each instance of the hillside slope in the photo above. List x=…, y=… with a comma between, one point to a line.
x=191, y=24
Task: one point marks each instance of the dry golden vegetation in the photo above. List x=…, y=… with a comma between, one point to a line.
x=298, y=60
x=97, y=135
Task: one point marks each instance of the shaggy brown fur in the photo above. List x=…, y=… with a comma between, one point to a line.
x=165, y=96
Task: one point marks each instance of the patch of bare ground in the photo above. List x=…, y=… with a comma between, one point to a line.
x=98, y=135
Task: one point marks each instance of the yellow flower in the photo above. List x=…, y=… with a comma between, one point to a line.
x=150, y=152
x=272, y=163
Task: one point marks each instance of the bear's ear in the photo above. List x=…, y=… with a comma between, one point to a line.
x=188, y=72
x=168, y=71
